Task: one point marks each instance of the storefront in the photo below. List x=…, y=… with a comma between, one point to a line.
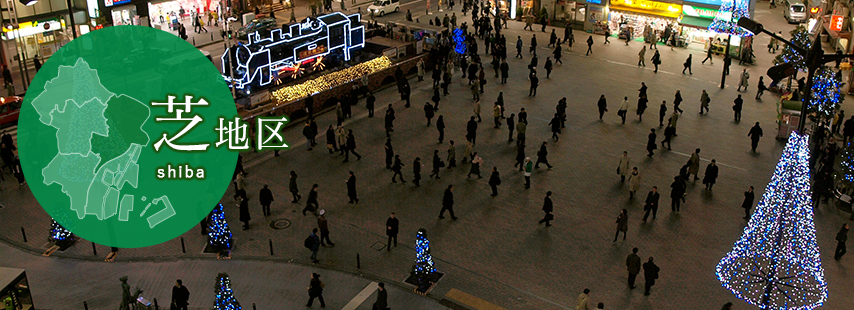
x=694, y=25
x=41, y=38
x=640, y=17
x=165, y=12
x=122, y=14
x=570, y=11
x=15, y=290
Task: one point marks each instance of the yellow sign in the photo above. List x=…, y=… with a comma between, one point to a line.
x=34, y=24
x=648, y=7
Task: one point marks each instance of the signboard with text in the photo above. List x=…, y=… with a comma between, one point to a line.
x=836, y=22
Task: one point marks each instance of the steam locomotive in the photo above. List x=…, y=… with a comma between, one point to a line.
x=303, y=49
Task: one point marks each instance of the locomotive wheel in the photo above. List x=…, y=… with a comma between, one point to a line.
x=382, y=13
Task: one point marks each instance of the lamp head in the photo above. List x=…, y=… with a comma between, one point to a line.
x=750, y=25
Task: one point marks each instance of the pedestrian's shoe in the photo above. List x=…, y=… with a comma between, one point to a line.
x=454, y=218
x=441, y=217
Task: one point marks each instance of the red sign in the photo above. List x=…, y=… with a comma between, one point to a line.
x=836, y=22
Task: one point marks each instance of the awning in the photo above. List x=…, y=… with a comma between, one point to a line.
x=692, y=21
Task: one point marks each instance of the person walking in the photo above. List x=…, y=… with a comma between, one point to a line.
x=389, y=123
x=755, y=133
x=391, y=229
x=429, y=112
x=351, y=147
x=180, y=296
x=505, y=71
x=351, y=188
x=519, y=47
x=583, y=300
x=760, y=88
x=448, y=203
x=662, y=112
x=742, y=82
x=848, y=131
x=292, y=186
x=674, y=119
x=511, y=125
x=641, y=56
x=748, y=202
x=669, y=132
x=841, y=237
x=243, y=206
x=548, y=67
x=494, y=181
x=677, y=191
x=677, y=100
x=548, y=207
x=323, y=225
x=330, y=140
x=687, y=65
x=603, y=106
x=558, y=54
x=838, y=119
x=471, y=130
x=529, y=167
x=416, y=172
x=622, y=224
x=542, y=156
x=623, y=166
x=650, y=274
x=709, y=55
x=476, y=161
x=633, y=265
x=535, y=82
x=313, y=244
x=651, y=204
x=704, y=102
x=694, y=164
x=496, y=115
x=341, y=135
x=634, y=182
x=382, y=298
x=589, y=45
x=728, y=305
x=521, y=128
x=650, y=142
x=266, y=198
x=656, y=60
x=440, y=126
x=437, y=164
x=642, y=104
x=389, y=153
x=397, y=169
x=452, y=155
x=624, y=107
x=711, y=175
x=315, y=288
x=736, y=108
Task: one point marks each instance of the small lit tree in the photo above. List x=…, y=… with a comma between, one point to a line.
x=219, y=236
x=58, y=233
x=801, y=38
x=826, y=95
x=224, y=295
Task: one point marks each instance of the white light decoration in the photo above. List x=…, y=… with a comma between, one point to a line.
x=312, y=39
x=776, y=263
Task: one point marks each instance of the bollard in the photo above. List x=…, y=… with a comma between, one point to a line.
x=194, y=41
x=211, y=36
x=183, y=249
x=253, y=306
x=271, y=247
x=24, y=233
x=85, y=306
x=94, y=250
x=156, y=307
x=358, y=261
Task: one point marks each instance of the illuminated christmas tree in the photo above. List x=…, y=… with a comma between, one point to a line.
x=826, y=94
x=59, y=233
x=219, y=236
x=845, y=175
x=224, y=296
x=459, y=42
x=801, y=38
x=776, y=263
x=423, y=260
x=730, y=12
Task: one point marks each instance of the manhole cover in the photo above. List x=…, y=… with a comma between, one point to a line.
x=280, y=224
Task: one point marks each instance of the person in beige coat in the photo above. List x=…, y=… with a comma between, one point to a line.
x=496, y=115
x=623, y=166
x=634, y=182
x=468, y=150
x=694, y=164
x=476, y=110
x=583, y=300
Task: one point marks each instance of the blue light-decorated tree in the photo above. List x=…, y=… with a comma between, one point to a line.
x=224, y=295
x=801, y=38
x=219, y=236
x=845, y=174
x=459, y=42
x=58, y=233
x=776, y=264
x=729, y=13
x=826, y=94
x=423, y=259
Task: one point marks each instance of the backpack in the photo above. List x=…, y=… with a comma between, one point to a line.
x=309, y=243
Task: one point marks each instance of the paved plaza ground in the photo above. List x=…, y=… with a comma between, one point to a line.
x=495, y=250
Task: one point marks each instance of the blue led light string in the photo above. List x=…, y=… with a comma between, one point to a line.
x=57, y=232
x=730, y=12
x=800, y=37
x=218, y=232
x=460, y=42
x=224, y=295
x=423, y=259
x=826, y=95
x=776, y=263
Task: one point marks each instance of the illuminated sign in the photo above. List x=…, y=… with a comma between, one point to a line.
x=109, y=3
x=305, y=45
x=31, y=28
x=836, y=22
x=699, y=12
x=648, y=6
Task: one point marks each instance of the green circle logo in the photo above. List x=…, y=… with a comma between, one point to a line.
x=121, y=136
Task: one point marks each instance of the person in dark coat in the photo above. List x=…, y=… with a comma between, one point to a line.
x=633, y=265
x=494, y=181
x=351, y=147
x=650, y=204
x=736, y=108
x=622, y=224
x=511, y=124
x=440, y=126
x=548, y=208
x=382, y=297
x=748, y=202
x=505, y=71
x=662, y=112
x=180, y=295
x=541, y=156
x=471, y=130
x=330, y=140
x=603, y=106
x=323, y=225
x=677, y=190
x=428, y=112
x=244, y=212
x=437, y=76
x=351, y=188
x=266, y=198
x=389, y=122
x=369, y=103
x=437, y=164
x=711, y=175
x=589, y=45
x=311, y=204
x=520, y=157
x=548, y=66
x=535, y=82
x=448, y=203
x=389, y=153
x=397, y=168
x=315, y=290
x=848, y=130
x=841, y=237
x=309, y=134
x=650, y=273
x=391, y=228
x=416, y=171
x=555, y=124
x=755, y=133
x=292, y=186
x=37, y=62
x=650, y=142
x=642, y=103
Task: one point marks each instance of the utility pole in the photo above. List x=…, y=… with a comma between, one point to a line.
x=727, y=61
